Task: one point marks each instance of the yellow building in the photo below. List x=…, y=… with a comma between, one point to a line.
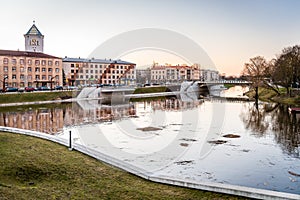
x=30, y=67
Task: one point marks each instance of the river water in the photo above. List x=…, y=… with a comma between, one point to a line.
x=205, y=140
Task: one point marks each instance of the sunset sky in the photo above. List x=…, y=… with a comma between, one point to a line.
x=230, y=31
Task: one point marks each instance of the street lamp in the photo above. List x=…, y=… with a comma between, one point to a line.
x=6, y=77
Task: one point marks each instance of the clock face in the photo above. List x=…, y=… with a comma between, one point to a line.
x=34, y=42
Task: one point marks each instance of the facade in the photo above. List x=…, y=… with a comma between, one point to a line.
x=34, y=40
x=30, y=67
x=172, y=74
x=79, y=71
x=22, y=69
x=176, y=74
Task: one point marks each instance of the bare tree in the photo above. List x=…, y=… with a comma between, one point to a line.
x=255, y=71
x=287, y=67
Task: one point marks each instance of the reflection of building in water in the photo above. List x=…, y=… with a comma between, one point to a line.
x=42, y=120
x=78, y=115
x=174, y=104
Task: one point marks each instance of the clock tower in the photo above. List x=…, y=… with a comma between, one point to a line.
x=34, y=40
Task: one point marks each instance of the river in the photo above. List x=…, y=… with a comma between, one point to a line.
x=204, y=140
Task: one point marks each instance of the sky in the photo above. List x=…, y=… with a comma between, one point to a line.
x=229, y=31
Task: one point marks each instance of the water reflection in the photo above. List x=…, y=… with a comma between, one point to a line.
x=272, y=118
x=43, y=119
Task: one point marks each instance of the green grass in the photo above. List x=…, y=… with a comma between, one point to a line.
x=32, y=168
x=34, y=96
x=269, y=95
x=151, y=90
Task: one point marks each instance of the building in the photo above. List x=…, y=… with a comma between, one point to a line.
x=22, y=69
x=82, y=71
x=176, y=74
x=172, y=74
x=34, y=40
x=30, y=67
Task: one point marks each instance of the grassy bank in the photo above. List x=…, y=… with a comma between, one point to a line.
x=32, y=168
x=34, y=96
x=145, y=90
x=269, y=95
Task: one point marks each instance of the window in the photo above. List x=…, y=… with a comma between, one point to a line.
x=5, y=61
x=91, y=71
x=43, y=62
x=43, y=77
x=92, y=76
x=49, y=77
x=50, y=62
x=14, y=69
x=14, y=61
x=37, y=69
x=29, y=77
x=37, y=77
x=22, y=61
x=86, y=71
x=14, y=76
x=57, y=77
x=81, y=76
x=72, y=70
x=96, y=76
x=43, y=69
x=5, y=68
x=91, y=66
x=87, y=76
x=29, y=62
x=96, y=71
x=37, y=62
x=72, y=65
x=96, y=66
x=49, y=69
x=21, y=69
x=22, y=76
x=29, y=69
x=100, y=66
x=57, y=63
x=57, y=69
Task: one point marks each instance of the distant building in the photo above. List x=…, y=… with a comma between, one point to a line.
x=176, y=74
x=30, y=67
x=82, y=71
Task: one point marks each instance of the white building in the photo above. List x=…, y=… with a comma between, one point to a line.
x=34, y=40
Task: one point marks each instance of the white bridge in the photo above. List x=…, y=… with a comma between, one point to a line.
x=224, y=82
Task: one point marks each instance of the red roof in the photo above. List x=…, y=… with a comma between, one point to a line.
x=25, y=53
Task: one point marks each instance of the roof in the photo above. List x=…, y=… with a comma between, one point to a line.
x=101, y=61
x=66, y=59
x=25, y=53
x=34, y=31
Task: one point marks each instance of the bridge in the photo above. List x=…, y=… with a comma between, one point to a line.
x=237, y=82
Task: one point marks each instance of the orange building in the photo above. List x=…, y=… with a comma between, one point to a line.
x=22, y=69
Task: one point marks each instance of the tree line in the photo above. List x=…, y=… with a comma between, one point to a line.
x=284, y=70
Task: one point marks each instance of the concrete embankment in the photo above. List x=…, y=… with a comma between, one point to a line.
x=215, y=187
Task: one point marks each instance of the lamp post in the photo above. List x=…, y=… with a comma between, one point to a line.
x=51, y=82
x=3, y=89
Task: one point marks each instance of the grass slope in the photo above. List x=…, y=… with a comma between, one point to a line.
x=32, y=168
x=34, y=96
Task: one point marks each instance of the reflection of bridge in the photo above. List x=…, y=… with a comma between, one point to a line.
x=229, y=99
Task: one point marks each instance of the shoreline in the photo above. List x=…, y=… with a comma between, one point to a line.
x=212, y=187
